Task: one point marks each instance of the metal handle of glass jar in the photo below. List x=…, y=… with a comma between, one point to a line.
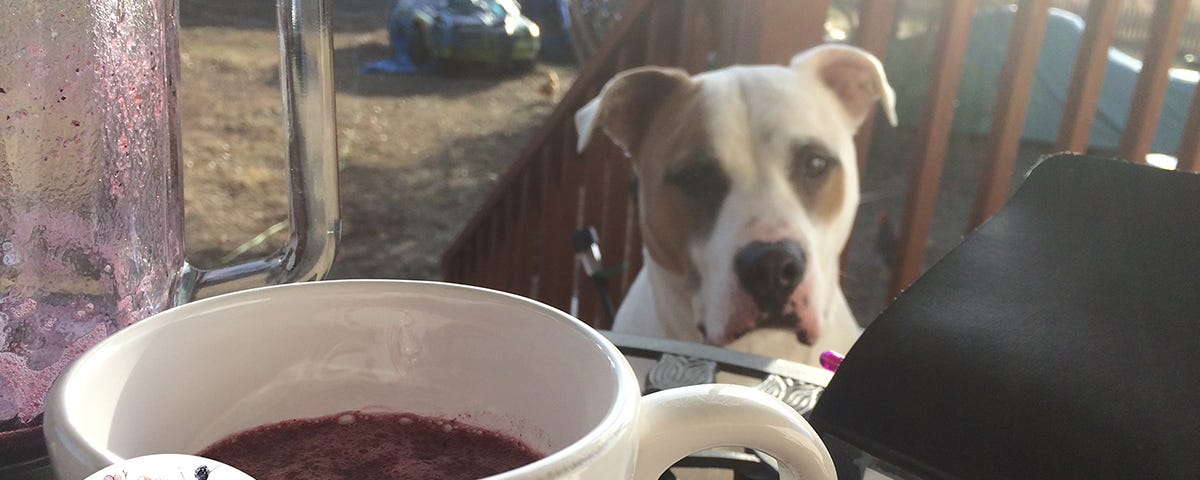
x=306, y=82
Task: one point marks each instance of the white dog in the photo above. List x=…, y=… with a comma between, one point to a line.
x=747, y=187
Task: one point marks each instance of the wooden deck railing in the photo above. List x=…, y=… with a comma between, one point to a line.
x=519, y=240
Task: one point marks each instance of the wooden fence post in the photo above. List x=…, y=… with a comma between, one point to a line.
x=1151, y=89
x=771, y=31
x=1011, y=103
x=933, y=134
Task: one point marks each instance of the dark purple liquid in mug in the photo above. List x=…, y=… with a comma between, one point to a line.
x=364, y=446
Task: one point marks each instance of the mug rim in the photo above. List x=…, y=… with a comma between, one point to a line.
x=618, y=419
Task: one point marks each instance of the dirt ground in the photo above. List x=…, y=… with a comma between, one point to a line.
x=418, y=153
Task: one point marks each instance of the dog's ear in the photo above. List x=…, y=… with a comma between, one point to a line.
x=627, y=103
x=854, y=75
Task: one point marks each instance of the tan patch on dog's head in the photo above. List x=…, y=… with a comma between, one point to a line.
x=819, y=178
x=681, y=182
x=681, y=185
x=628, y=103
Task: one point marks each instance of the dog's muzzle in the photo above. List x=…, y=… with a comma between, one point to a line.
x=769, y=273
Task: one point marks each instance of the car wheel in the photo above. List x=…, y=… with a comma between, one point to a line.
x=419, y=49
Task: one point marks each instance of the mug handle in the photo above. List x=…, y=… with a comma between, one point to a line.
x=677, y=422
x=306, y=83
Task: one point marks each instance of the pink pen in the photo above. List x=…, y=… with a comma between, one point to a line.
x=831, y=360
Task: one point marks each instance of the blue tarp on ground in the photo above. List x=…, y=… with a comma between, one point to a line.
x=399, y=63
x=908, y=68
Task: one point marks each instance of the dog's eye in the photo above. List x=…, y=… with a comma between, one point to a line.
x=810, y=162
x=700, y=177
x=814, y=166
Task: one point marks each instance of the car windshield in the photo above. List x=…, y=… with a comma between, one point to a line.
x=510, y=7
x=469, y=7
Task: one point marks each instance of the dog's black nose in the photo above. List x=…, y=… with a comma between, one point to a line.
x=769, y=272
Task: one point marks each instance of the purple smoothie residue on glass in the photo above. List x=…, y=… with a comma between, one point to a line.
x=90, y=209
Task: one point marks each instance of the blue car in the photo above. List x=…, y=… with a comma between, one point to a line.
x=478, y=31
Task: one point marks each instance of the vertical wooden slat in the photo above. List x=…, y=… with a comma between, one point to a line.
x=1151, y=88
x=635, y=54
x=615, y=238
x=464, y=256
x=633, y=245
x=606, y=208
x=450, y=265
x=729, y=33
x=472, y=264
x=1189, y=146
x=494, y=235
x=1087, y=79
x=658, y=49
x=528, y=210
x=491, y=240
x=932, y=137
x=1011, y=103
x=507, y=249
x=874, y=33
x=555, y=292
x=595, y=200
x=772, y=31
x=460, y=268
x=509, y=240
x=790, y=27
x=469, y=260
x=516, y=241
x=464, y=253
x=551, y=173
x=560, y=286
x=510, y=253
x=562, y=289
x=537, y=219
x=695, y=39
x=502, y=255
x=451, y=268
x=479, y=243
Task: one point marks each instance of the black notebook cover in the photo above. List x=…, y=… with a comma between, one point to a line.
x=1059, y=340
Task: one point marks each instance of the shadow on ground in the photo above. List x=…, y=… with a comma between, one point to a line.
x=448, y=81
x=399, y=220
x=347, y=16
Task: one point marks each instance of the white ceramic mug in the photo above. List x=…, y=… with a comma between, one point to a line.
x=192, y=375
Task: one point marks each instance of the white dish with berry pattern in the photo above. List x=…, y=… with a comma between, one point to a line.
x=169, y=466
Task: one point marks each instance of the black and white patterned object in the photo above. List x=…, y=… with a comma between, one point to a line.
x=800, y=395
x=674, y=371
